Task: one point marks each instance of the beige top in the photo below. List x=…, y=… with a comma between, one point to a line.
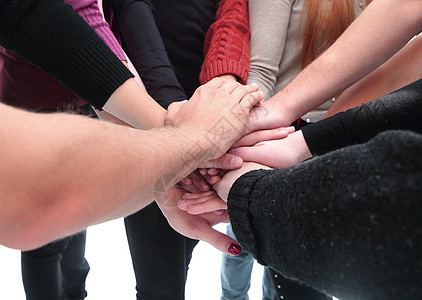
x=275, y=50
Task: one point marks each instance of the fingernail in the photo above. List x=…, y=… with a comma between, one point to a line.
x=255, y=84
x=261, y=92
x=204, y=185
x=236, y=162
x=186, y=196
x=203, y=172
x=290, y=128
x=214, y=177
x=234, y=249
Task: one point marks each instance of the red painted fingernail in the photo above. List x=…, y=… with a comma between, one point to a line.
x=234, y=249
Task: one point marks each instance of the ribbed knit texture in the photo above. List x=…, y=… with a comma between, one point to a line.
x=401, y=109
x=52, y=36
x=90, y=12
x=226, y=47
x=347, y=223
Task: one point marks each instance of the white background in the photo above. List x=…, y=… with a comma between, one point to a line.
x=111, y=275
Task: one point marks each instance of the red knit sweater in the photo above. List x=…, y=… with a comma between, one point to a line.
x=226, y=47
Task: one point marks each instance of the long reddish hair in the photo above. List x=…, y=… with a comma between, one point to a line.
x=326, y=20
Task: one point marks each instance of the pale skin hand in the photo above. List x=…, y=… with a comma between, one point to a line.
x=195, y=226
x=217, y=199
x=343, y=63
x=281, y=153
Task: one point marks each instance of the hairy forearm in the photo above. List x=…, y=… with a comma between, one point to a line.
x=68, y=172
x=345, y=62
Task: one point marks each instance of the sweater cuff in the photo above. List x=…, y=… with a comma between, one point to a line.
x=224, y=67
x=103, y=78
x=238, y=207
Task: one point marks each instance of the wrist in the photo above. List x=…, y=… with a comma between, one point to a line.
x=301, y=147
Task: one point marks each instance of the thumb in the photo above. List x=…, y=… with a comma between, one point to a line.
x=246, y=153
x=226, y=161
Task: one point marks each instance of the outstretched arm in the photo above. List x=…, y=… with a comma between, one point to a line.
x=63, y=173
x=344, y=63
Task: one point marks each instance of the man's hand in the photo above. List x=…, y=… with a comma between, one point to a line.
x=196, y=226
x=217, y=113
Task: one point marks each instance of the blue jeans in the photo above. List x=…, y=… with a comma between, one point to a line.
x=236, y=276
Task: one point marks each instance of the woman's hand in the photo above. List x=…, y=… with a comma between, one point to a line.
x=282, y=153
x=215, y=200
x=196, y=226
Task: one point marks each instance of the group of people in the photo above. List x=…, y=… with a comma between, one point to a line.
x=338, y=215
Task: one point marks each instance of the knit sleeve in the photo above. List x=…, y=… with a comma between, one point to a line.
x=52, y=36
x=346, y=223
x=142, y=42
x=226, y=47
x=90, y=12
x=268, y=19
x=401, y=109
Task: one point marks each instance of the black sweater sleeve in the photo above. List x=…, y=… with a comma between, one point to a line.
x=347, y=222
x=52, y=36
x=142, y=42
x=401, y=109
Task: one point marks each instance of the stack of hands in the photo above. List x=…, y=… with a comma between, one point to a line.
x=199, y=201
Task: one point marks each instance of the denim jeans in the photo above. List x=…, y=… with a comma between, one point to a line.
x=236, y=276
x=56, y=271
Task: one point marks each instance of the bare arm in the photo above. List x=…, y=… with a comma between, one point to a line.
x=380, y=31
x=402, y=69
x=62, y=173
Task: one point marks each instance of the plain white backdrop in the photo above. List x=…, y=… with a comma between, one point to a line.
x=111, y=276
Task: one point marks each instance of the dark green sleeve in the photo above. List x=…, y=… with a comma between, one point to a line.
x=52, y=36
x=401, y=109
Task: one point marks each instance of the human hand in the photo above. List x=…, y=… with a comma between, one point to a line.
x=266, y=116
x=196, y=226
x=215, y=200
x=216, y=114
x=263, y=135
x=281, y=153
x=200, y=181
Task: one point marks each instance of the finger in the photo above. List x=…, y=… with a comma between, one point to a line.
x=219, y=212
x=229, y=86
x=199, y=182
x=185, y=204
x=243, y=90
x=213, y=171
x=187, y=180
x=215, y=83
x=248, y=153
x=251, y=99
x=226, y=161
x=189, y=188
x=217, y=239
x=190, y=196
x=212, y=179
x=261, y=135
x=208, y=206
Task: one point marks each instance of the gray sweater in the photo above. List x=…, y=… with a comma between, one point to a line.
x=276, y=46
